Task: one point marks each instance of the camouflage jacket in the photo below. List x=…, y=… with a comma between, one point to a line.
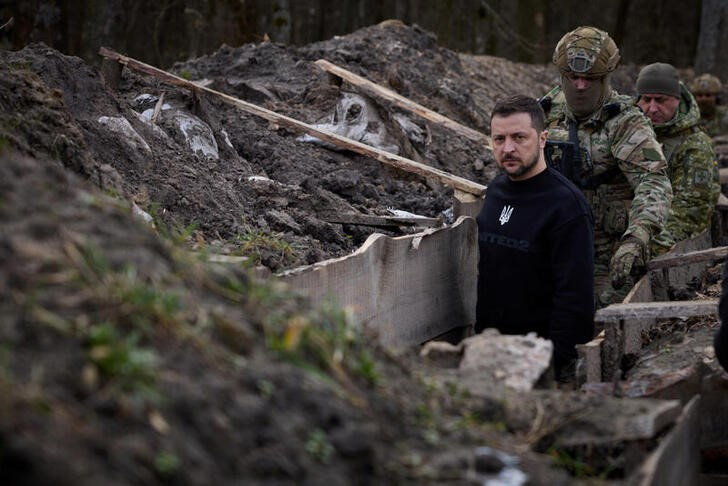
x=618, y=140
x=693, y=172
x=717, y=124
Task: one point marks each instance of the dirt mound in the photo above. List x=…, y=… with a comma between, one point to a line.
x=239, y=185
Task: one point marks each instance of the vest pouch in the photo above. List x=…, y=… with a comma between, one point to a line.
x=615, y=217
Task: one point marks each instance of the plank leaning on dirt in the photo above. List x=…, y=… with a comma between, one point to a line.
x=402, y=163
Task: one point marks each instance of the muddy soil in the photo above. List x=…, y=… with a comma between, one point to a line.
x=127, y=358
x=239, y=184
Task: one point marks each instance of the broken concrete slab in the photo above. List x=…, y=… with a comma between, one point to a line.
x=516, y=361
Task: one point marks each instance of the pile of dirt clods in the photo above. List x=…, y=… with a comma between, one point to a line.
x=128, y=357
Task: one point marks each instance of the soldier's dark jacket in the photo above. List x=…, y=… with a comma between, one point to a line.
x=693, y=172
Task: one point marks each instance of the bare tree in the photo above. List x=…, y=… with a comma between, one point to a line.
x=712, y=51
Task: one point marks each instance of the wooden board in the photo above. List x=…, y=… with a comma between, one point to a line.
x=641, y=292
x=657, y=310
x=378, y=91
x=375, y=220
x=676, y=461
x=673, y=260
x=401, y=163
x=408, y=289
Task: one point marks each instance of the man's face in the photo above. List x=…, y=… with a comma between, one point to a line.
x=659, y=108
x=706, y=103
x=583, y=93
x=517, y=146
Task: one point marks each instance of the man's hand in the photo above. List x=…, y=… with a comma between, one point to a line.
x=630, y=257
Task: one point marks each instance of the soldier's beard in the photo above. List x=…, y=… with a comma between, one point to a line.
x=707, y=108
x=585, y=102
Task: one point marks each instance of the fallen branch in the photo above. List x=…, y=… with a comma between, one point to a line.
x=402, y=163
x=376, y=90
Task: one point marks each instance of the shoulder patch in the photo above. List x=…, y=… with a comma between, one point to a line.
x=651, y=154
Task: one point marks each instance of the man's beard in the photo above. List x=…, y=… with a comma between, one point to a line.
x=523, y=168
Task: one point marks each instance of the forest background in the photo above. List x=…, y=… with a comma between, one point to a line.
x=684, y=33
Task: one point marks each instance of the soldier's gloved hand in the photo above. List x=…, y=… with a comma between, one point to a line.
x=630, y=257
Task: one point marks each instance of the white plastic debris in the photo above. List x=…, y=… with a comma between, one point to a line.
x=141, y=214
x=121, y=126
x=355, y=118
x=226, y=138
x=147, y=114
x=198, y=134
x=507, y=475
x=399, y=213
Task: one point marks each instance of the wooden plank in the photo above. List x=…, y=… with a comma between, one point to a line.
x=657, y=310
x=676, y=461
x=632, y=329
x=590, y=359
x=723, y=172
x=408, y=289
x=375, y=220
x=376, y=90
x=670, y=260
x=401, y=163
x=465, y=204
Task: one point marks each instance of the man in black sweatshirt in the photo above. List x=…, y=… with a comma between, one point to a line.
x=535, y=235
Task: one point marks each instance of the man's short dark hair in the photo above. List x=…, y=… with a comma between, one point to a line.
x=521, y=104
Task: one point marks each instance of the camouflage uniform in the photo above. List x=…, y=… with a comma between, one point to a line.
x=634, y=197
x=693, y=172
x=717, y=124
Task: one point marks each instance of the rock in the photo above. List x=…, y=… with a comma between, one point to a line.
x=515, y=361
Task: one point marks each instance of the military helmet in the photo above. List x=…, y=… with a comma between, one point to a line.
x=588, y=51
x=705, y=84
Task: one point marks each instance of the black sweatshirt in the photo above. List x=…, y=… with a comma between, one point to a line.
x=536, y=269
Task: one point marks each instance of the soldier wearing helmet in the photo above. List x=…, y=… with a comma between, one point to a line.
x=608, y=148
x=713, y=117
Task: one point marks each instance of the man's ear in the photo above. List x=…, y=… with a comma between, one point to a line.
x=542, y=137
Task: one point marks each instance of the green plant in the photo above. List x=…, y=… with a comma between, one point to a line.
x=175, y=231
x=122, y=359
x=258, y=245
x=167, y=464
x=266, y=388
x=597, y=465
x=144, y=303
x=319, y=447
x=185, y=74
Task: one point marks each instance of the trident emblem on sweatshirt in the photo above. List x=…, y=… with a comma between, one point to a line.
x=505, y=214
